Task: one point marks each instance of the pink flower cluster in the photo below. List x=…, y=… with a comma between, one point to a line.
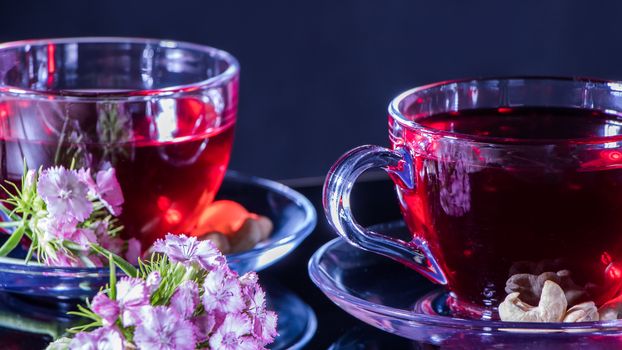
x=78, y=208
x=216, y=310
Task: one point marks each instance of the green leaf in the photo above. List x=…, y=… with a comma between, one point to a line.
x=128, y=268
x=13, y=241
x=85, y=327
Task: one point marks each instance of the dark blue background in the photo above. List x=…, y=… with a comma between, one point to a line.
x=317, y=75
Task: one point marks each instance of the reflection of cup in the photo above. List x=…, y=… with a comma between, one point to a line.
x=498, y=177
x=160, y=112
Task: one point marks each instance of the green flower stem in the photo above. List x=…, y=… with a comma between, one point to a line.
x=113, y=278
x=61, y=139
x=31, y=250
x=9, y=223
x=13, y=240
x=128, y=268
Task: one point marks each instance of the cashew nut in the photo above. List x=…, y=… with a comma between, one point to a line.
x=611, y=310
x=530, y=286
x=584, y=312
x=513, y=309
x=219, y=240
x=551, y=307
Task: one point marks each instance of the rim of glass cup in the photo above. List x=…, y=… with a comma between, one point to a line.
x=220, y=79
x=395, y=110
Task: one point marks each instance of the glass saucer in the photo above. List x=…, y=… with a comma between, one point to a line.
x=292, y=214
x=35, y=323
x=396, y=299
x=365, y=337
x=297, y=322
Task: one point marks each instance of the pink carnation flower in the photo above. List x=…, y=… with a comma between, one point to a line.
x=153, y=281
x=233, y=334
x=263, y=321
x=256, y=300
x=187, y=250
x=130, y=249
x=185, y=299
x=85, y=176
x=107, y=188
x=57, y=229
x=249, y=279
x=204, y=325
x=264, y=326
x=133, y=251
x=106, y=308
x=109, y=191
x=84, y=237
x=131, y=296
x=64, y=194
x=113, y=244
x=60, y=259
x=163, y=329
x=222, y=292
x=255, y=296
x=105, y=338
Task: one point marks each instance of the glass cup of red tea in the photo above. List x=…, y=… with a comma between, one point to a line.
x=162, y=113
x=497, y=177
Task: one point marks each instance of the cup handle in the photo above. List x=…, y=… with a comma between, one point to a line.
x=336, y=199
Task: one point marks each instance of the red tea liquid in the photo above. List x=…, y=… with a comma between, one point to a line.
x=490, y=213
x=170, y=159
x=162, y=195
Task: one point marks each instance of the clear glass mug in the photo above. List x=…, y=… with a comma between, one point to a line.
x=162, y=113
x=483, y=208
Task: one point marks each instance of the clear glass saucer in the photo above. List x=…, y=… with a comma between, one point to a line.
x=292, y=214
x=396, y=299
x=297, y=322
